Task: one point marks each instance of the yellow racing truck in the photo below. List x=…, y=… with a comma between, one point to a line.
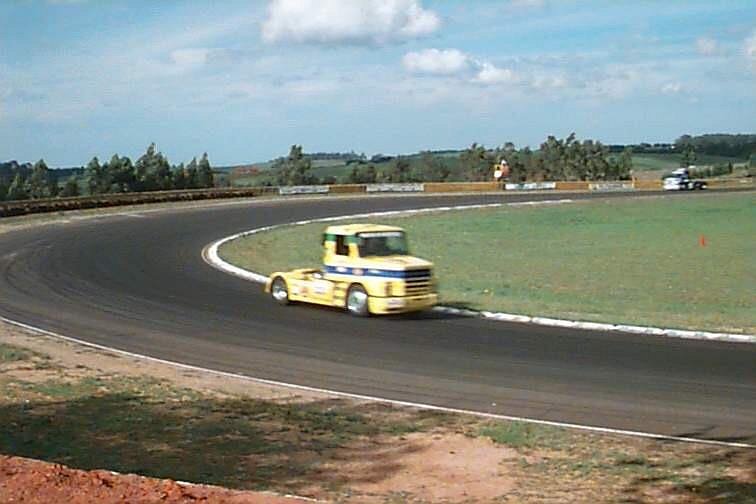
x=367, y=269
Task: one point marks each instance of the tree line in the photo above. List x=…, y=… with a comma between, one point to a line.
x=151, y=172
x=556, y=159
x=726, y=145
x=20, y=182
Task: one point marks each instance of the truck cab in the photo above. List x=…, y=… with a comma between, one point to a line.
x=367, y=269
x=679, y=180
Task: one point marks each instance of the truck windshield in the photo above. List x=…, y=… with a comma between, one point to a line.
x=383, y=243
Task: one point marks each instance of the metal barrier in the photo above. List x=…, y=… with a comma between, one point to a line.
x=23, y=207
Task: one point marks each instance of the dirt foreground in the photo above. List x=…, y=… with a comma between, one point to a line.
x=32, y=481
x=88, y=412
x=435, y=466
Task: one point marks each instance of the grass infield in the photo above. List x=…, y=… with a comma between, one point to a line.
x=672, y=262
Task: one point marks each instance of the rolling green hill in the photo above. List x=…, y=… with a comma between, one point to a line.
x=668, y=162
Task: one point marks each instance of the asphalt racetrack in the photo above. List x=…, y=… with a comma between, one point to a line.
x=138, y=283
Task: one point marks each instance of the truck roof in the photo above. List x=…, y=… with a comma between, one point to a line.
x=352, y=229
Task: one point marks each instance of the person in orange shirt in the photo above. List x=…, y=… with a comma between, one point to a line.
x=501, y=170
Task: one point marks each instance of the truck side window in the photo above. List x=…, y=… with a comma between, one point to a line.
x=341, y=246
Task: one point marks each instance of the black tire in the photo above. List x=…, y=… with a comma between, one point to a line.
x=279, y=291
x=357, y=301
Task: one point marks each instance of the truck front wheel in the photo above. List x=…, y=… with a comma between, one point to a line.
x=279, y=291
x=357, y=301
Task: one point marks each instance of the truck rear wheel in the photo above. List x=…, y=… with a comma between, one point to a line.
x=357, y=301
x=279, y=291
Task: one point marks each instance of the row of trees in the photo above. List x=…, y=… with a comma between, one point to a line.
x=25, y=184
x=428, y=168
x=737, y=146
x=151, y=172
x=556, y=159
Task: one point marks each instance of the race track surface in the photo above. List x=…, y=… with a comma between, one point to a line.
x=138, y=283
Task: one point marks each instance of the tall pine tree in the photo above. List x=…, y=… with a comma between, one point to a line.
x=17, y=189
x=40, y=182
x=97, y=180
x=192, y=177
x=205, y=172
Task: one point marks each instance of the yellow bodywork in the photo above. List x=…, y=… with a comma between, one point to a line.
x=394, y=283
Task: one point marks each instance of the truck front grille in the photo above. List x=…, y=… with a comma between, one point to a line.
x=418, y=282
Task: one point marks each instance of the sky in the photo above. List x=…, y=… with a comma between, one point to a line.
x=243, y=80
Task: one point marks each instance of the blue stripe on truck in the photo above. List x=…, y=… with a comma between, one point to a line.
x=372, y=272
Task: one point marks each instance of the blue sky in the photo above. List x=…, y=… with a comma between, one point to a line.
x=243, y=80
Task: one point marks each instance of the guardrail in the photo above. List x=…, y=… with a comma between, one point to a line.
x=13, y=208
x=23, y=207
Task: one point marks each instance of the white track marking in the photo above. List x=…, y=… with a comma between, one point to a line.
x=293, y=386
x=211, y=256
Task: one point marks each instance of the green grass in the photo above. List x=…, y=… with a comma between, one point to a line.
x=671, y=161
x=11, y=353
x=632, y=261
x=527, y=435
x=581, y=460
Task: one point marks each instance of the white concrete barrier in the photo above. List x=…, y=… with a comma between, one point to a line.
x=411, y=187
x=611, y=186
x=304, y=189
x=530, y=186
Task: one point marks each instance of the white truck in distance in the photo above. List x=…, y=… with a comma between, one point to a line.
x=680, y=180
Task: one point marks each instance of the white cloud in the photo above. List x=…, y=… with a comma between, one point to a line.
x=347, y=21
x=750, y=48
x=194, y=58
x=671, y=88
x=436, y=61
x=549, y=82
x=456, y=62
x=188, y=58
x=707, y=46
x=491, y=74
x=614, y=82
